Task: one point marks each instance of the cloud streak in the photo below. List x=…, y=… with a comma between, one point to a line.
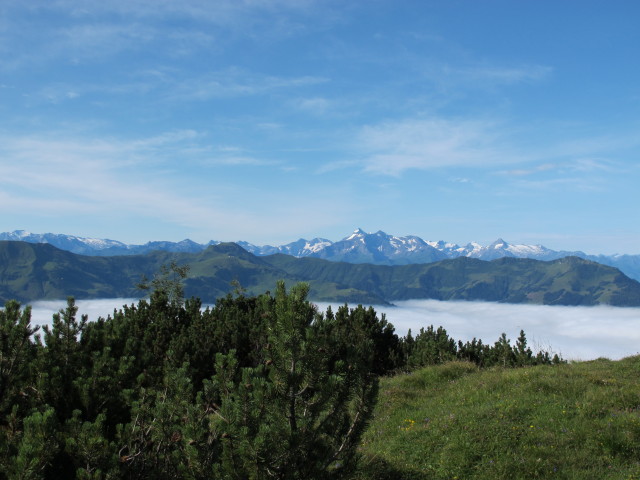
x=393, y=147
x=219, y=12
x=92, y=30
x=440, y=142
x=506, y=75
x=137, y=180
x=235, y=82
x=67, y=176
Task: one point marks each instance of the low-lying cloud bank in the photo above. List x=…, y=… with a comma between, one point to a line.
x=576, y=333
x=42, y=311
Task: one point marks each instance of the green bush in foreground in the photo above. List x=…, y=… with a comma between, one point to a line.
x=454, y=421
x=254, y=388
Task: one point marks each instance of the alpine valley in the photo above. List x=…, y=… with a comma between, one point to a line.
x=369, y=268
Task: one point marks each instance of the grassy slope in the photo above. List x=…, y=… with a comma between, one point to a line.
x=574, y=421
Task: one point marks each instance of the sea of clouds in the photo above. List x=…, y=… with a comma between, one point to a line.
x=576, y=333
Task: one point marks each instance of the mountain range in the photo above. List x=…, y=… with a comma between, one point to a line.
x=30, y=272
x=376, y=248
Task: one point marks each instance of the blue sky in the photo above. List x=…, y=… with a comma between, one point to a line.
x=271, y=120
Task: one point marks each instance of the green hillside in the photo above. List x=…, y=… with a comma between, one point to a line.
x=31, y=272
x=214, y=270
x=39, y=271
x=567, y=281
x=569, y=421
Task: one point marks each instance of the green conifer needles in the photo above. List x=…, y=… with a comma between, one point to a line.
x=259, y=387
x=301, y=413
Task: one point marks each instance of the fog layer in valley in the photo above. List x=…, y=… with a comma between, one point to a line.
x=576, y=333
x=42, y=311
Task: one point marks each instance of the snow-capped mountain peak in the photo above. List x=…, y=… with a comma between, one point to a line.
x=316, y=245
x=357, y=233
x=499, y=243
x=20, y=234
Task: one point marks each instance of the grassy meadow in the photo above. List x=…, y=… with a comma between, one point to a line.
x=571, y=421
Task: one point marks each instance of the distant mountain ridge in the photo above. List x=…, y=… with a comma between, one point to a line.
x=102, y=247
x=376, y=248
x=30, y=272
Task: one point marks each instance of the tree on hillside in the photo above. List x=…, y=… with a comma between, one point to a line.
x=168, y=282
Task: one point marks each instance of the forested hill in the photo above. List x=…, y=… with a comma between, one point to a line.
x=31, y=272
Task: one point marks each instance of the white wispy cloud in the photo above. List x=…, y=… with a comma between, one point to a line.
x=393, y=147
x=241, y=160
x=97, y=39
x=437, y=142
x=73, y=44
x=500, y=75
x=575, y=174
x=77, y=175
x=596, y=165
x=595, y=149
x=184, y=43
x=220, y=11
x=236, y=82
x=65, y=177
x=55, y=150
x=563, y=183
x=521, y=172
x=92, y=30
x=314, y=105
